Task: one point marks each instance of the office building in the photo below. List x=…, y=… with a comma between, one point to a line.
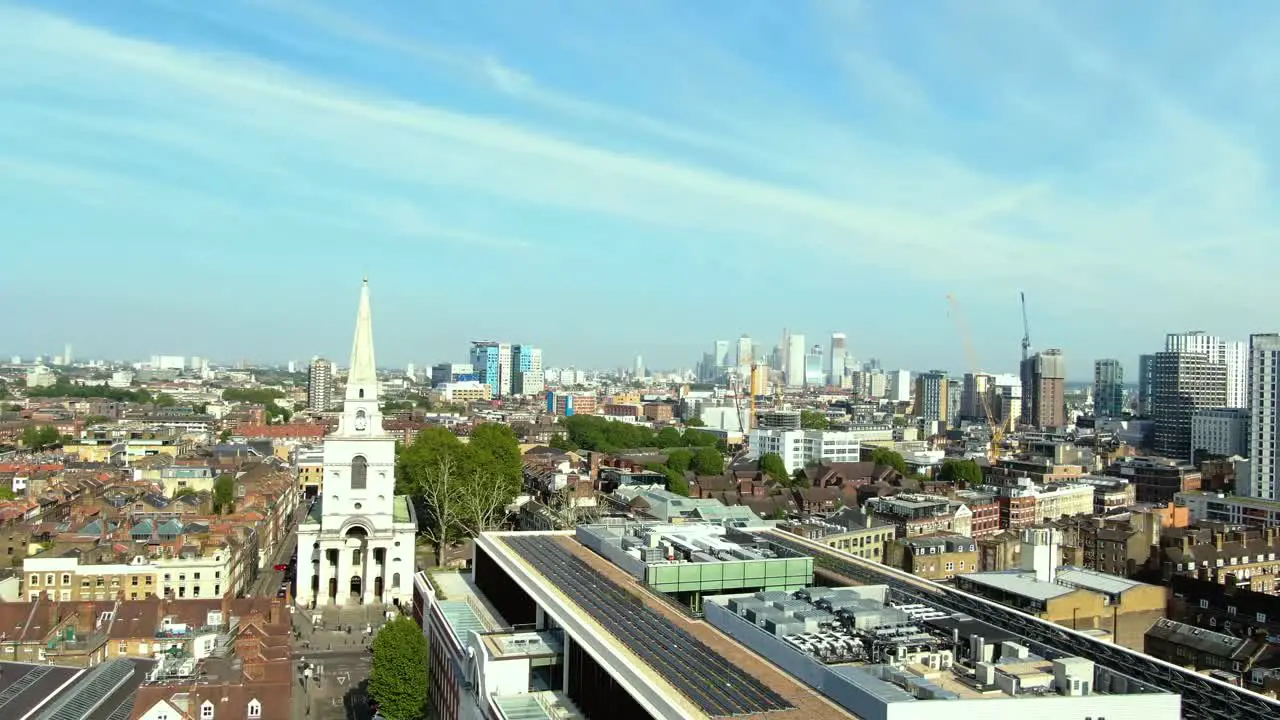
x=744, y=356
x=1233, y=355
x=1108, y=389
x=454, y=372
x=1146, y=382
x=492, y=362
x=411, y=372
x=836, y=364
x=798, y=448
x=40, y=376
x=1221, y=431
x=795, y=361
x=356, y=545
x=1264, y=418
x=815, y=373
x=977, y=394
x=320, y=385
x=720, y=353
x=932, y=396
x=1044, y=403
x=527, y=363
x=639, y=369
x=1183, y=382
x=955, y=393
x=899, y=386
x=66, y=354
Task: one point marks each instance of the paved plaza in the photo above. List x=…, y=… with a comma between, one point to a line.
x=334, y=643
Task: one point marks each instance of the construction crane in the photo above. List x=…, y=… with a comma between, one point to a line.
x=971, y=357
x=1026, y=328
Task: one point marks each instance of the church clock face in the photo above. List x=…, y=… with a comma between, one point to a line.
x=361, y=421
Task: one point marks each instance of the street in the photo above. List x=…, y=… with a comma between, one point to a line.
x=269, y=579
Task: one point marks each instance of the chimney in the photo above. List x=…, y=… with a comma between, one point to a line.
x=1217, y=540
x=86, y=617
x=273, y=614
x=226, y=607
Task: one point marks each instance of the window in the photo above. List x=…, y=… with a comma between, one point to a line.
x=206, y=711
x=255, y=709
x=48, y=579
x=35, y=580
x=66, y=578
x=359, y=472
x=134, y=581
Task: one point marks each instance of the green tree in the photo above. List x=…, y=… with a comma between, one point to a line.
x=694, y=422
x=7, y=494
x=432, y=471
x=699, y=438
x=224, y=494
x=394, y=406
x=184, y=491
x=680, y=460
x=961, y=473
x=561, y=441
x=4, y=390
x=708, y=461
x=259, y=396
x=799, y=478
x=495, y=449
x=225, y=436
x=771, y=464
x=885, y=456
x=676, y=482
x=399, y=677
x=163, y=400
x=813, y=420
x=40, y=437
x=668, y=437
x=92, y=420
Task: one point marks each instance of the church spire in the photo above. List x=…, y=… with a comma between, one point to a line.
x=362, y=378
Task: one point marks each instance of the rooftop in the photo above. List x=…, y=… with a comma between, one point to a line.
x=709, y=674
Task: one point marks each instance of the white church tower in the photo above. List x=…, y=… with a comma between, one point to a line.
x=356, y=544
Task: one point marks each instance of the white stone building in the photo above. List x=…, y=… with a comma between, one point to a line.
x=798, y=448
x=1221, y=431
x=356, y=544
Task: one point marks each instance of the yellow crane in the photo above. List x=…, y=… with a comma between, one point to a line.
x=971, y=357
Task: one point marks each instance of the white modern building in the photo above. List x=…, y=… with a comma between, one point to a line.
x=836, y=363
x=899, y=386
x=41, y=376
x=356, y=544
x=795, y=352
x=1264, y=417
x=798, y=448
x=1221, y=431
x=1234, y=355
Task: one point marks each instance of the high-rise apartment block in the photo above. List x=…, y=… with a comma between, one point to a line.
x=1233, y=355
x=1264, y=416
x=932, y=396
x=721, y=353
x=899, y=386
x=492, y=362
x=1183, y=382
x=320, y=385
x=1108, y=388
x=977, y=394
x=1044, y=385
x=527, y=361
x=815, y=373
x=744, y=357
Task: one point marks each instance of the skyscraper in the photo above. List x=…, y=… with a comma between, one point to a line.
x=492, y=362
x=1264, y=417
x=640, y=366
x=722, y=354
x=1108, y=388
x=1146, y=380
x=526, y=361
x=976, y=396
x=320, y=385
x=1233, y=355
x=1044, y=390
x=66, y=354
x=815, y=373
x=795, y=360
x=744, y=356
x=932, y=396
x=1182, y=383
x=836, y=363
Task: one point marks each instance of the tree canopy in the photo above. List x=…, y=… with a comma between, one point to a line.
x=589, y=432
x=261, y=396
x=65, y=388
x=694, y=422
x=885, y=456
x=708, y=461
x=461, y=488
x=224, y=494
x=771, y=464
x=961, y=473
x=40, y=437
x=7, y=494
x=399, y=677
x=814, y=420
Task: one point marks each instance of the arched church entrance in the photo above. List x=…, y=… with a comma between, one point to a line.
x=355, y=588
x=377, y=588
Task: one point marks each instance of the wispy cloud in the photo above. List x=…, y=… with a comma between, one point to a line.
x=999, y=145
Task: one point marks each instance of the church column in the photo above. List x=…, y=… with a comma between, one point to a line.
x=344, y=574
x=369, y=573
x=322, y=569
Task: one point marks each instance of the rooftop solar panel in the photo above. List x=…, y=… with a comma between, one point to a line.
x=707, y=678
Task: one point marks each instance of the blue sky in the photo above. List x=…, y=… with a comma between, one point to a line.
x=635, y=176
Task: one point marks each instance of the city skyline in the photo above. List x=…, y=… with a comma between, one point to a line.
x=273, y=150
